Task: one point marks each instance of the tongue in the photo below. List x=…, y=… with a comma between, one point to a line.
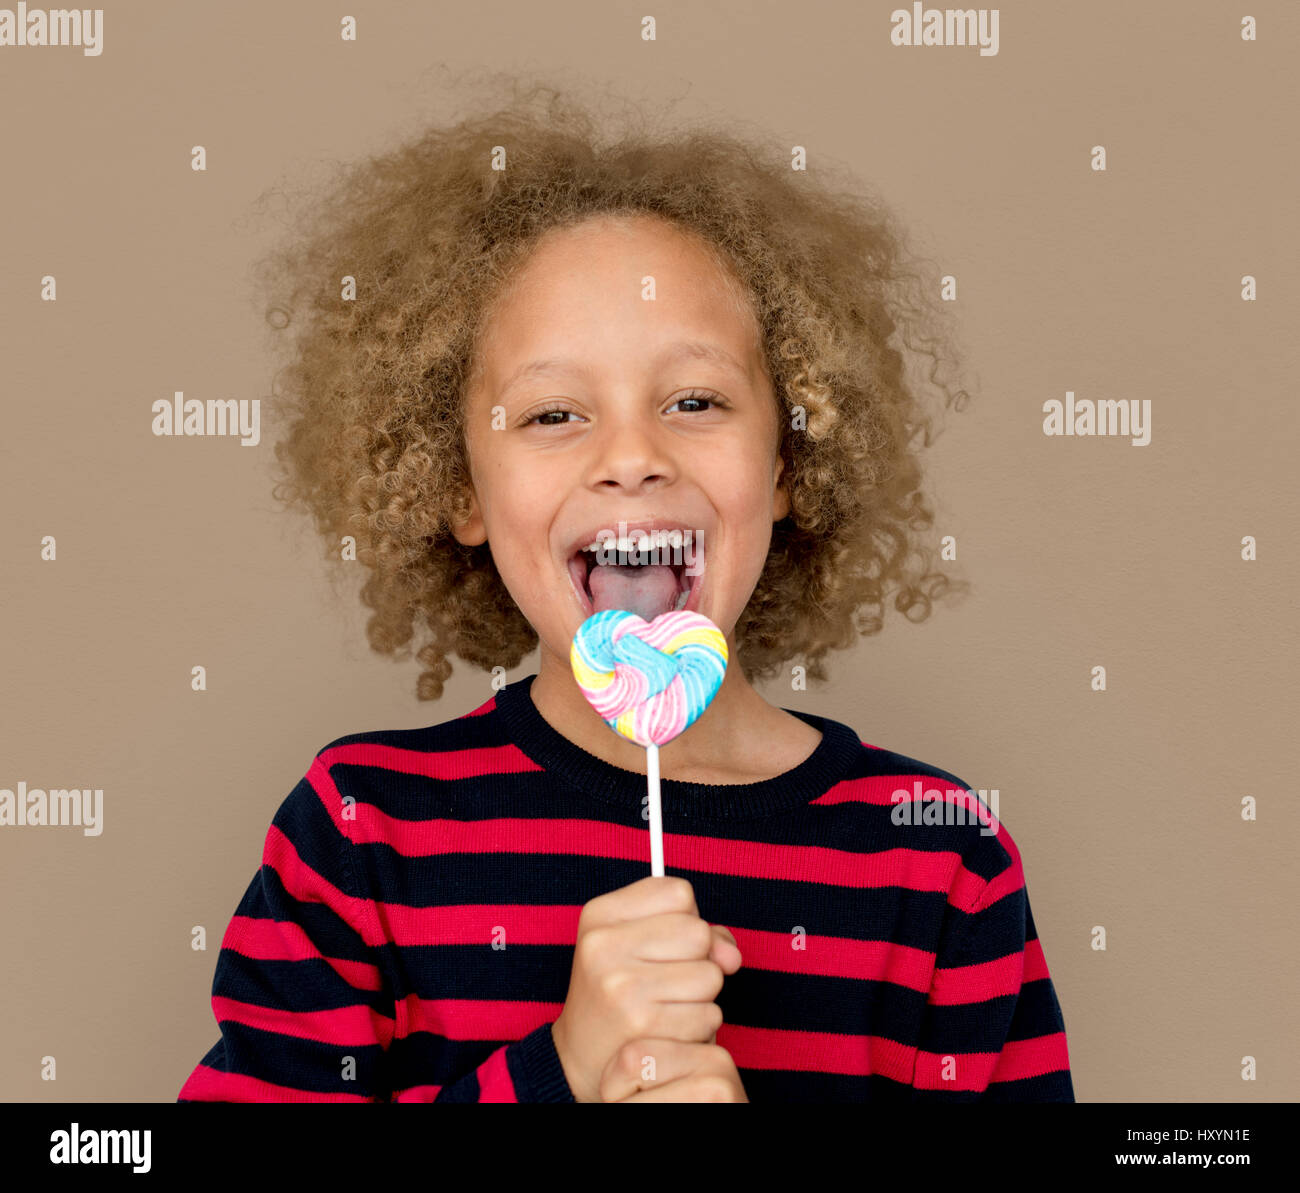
x=646, y=591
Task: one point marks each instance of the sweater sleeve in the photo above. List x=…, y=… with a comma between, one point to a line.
x=992, y=1030
x=305, y=1010
x=527, y=1070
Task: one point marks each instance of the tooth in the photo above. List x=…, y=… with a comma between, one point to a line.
x=658, y=540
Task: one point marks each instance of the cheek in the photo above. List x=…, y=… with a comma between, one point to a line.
x=747, y=487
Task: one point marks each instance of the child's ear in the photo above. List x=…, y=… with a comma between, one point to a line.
x=780, y=497
x=467, y=526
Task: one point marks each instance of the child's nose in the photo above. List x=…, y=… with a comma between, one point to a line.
x=631, y=456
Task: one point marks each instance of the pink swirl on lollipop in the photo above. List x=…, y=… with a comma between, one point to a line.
x=649, y=681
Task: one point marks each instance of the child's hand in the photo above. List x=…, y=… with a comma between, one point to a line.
x=650, y=1070
x=644, y=965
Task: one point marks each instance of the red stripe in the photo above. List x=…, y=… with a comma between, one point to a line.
x=910, y=869
x=816, y=1052
x=283, y=940
x=549, y=924
x=866, y=1055
x=836, y=957
x=978, y=983
x=351, y=1027
x=476, y=923
x=417, y=1093
x=977, y=1070
x=1035, y=962
x=1032, y=1058
x=557, y=924
x=509, y=759
x=212, y=1085
x=958, y=1072
x=472, y=1018
x=879, y=791
x=494, y=1079
x=471, y=763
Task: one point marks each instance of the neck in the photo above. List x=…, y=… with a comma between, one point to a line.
x=722, y=738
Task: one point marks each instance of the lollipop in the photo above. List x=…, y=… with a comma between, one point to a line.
x=649, y=681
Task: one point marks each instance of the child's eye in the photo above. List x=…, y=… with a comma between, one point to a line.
x=695, y=395
x=543, y=413
x=702, y=395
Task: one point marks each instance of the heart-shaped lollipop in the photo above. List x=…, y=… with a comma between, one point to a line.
x=649, y=681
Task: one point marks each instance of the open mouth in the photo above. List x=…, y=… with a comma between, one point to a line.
x=648, y=577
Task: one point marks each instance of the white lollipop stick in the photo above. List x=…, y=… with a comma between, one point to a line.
x=656, y=811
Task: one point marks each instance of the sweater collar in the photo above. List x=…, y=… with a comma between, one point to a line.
x=828, y=764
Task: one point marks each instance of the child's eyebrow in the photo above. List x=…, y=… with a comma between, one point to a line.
x=688, y=349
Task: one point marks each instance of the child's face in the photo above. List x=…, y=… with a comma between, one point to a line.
x=630, y=447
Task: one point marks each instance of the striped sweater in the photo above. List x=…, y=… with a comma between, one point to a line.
x=409, y=935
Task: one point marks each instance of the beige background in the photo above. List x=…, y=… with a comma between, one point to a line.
x=1123, y=284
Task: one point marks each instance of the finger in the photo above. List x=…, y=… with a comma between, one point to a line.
x=673, y=982
x=686, y=1022
x=652, y=895
x=672, y=936
x=673, y=1091
x=724, y=950
x=645, y=1064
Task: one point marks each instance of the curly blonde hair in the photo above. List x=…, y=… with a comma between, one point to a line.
x=373, y=443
